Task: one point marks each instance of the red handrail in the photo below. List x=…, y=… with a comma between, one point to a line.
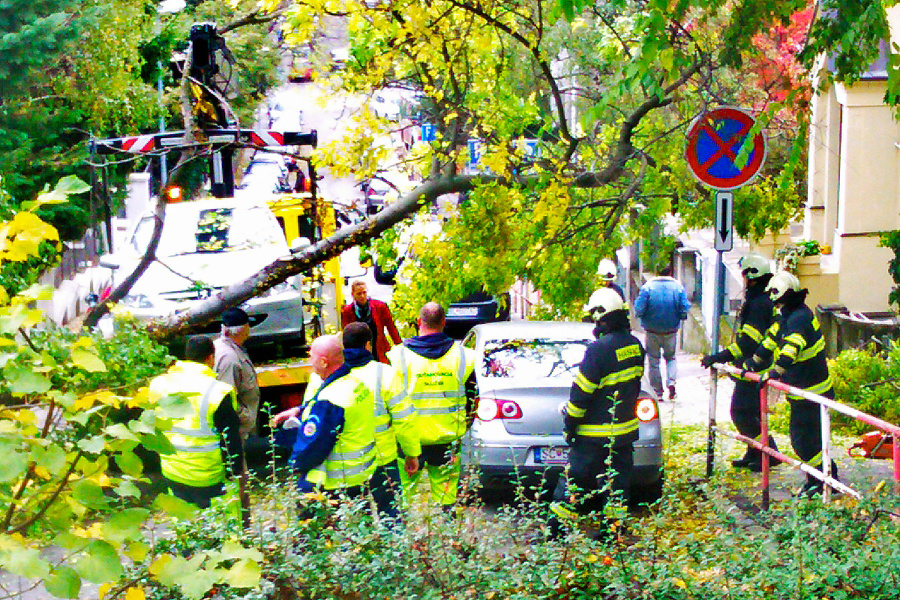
x=826, y=404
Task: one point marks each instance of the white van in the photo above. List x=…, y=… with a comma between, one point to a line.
x=207, y=245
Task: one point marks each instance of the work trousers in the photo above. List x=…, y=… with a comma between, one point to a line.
x=200, y=497
x=442, y=463
x=386, y=489
x=597, y=473
x=806, y=433
x=745, y=415
x=661, y=345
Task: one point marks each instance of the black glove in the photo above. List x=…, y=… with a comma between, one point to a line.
x=719, y=357
x=766, y=378
x=571, y=438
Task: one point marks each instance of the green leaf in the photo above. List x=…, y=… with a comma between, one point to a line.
x=174, y=406
x=127, y=489
x=125, y=525
x=245, y=573
x=12, y=466
x=121, y=431
x=232, y=549
x=63, y=582
x=88, y=361
x=71, y=184
x=157, y=442
x=94, y=444
x=175, y=507
x=89, y=493
x=53, y=458
x=25, y=562
x=130, y=463
x=22, y=380
x=99, y=563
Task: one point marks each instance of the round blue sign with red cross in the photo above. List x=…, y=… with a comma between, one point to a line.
x=714, y=142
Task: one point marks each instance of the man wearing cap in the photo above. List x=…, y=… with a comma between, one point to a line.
x=233, y=366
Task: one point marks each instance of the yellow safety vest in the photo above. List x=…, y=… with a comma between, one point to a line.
x=437, y=390
x=353, y=459
x=394, y=412
x=197, y=460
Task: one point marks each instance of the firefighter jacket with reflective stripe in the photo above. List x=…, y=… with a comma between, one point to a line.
x=794, y=347
x=197, y=460
x=353, y=459
x=757, y=315
x=605, y=391
x=394, y=413
x=437, y=390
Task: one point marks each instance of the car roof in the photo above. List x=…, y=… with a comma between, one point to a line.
x=534, y=329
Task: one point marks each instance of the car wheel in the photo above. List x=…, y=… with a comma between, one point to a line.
x=646, y=494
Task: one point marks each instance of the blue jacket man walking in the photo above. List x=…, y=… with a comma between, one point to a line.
x=661, y=305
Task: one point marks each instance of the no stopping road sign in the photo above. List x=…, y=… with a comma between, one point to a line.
x=714, y=142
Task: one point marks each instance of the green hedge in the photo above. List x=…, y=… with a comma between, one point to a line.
x=867, y=380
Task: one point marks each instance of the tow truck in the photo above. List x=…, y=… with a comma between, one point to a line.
x=304, y=217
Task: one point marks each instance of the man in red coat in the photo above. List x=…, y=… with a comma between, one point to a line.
x=376, y=315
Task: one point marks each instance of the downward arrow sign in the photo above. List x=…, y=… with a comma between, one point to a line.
x=724, y=205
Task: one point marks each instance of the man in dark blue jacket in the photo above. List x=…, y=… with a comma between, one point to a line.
x=661, y=305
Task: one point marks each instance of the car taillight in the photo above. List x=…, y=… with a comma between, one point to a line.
x=646, y=409
x=495, y=408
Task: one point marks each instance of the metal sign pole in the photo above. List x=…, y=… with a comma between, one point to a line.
x=714, y=347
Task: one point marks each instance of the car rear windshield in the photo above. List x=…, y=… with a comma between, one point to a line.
x=211, y=230
x=533, y=359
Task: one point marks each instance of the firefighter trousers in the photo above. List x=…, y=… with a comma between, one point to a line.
x=806, y=434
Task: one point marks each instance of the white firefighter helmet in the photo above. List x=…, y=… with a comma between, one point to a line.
x=603, y=302
x=754, y=266
x=606, y=270
x=780, y=284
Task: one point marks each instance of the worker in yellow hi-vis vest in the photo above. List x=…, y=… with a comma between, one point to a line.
x=439, y=377
x=196, y=470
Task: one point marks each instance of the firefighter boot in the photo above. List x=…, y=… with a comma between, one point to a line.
x=755, y=464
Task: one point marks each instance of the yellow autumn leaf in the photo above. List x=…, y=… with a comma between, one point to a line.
x=88, y=361
x=679, y=582
x=157, y=566
x=104, y=589
x=135, y=593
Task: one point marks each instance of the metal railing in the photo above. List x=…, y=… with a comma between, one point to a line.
x=825, y=405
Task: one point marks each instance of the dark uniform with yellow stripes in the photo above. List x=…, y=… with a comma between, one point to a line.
x=795, y=348
x=600, y=421
x=757, y=315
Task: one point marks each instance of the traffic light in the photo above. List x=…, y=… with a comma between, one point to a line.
x=173, y=194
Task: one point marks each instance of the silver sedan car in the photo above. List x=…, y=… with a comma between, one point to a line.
x=524, y=371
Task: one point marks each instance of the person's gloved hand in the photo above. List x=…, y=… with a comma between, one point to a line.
x=719, y=357
x=571, y=438
x=766, y=378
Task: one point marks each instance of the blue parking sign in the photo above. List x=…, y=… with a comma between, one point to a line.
x=474, y=154
x=428, y=131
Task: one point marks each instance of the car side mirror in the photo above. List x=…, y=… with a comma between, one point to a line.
x=110, y=261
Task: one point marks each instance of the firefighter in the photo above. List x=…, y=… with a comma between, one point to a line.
x=757, y=315
x=394, y=418
x=607, y=272
x=439, y=377
x=196, y=470
x=793, y=351
x=600, y=422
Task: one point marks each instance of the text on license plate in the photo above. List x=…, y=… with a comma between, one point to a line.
x=551, y=456
x=462, y=311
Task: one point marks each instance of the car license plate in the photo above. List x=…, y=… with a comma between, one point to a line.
x=551, y=456
x=462, y=311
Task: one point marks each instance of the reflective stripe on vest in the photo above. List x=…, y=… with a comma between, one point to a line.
x=440, y=412
x=608, y=429
x=203, y=432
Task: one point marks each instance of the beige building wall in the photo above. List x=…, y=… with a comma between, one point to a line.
x=854, y=194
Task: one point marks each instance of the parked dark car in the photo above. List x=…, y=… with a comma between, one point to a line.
x=475, y=309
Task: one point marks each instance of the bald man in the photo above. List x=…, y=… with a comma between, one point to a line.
x=334, y=449
x=439, y=377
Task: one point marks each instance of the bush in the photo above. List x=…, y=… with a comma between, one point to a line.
x=869, y=381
